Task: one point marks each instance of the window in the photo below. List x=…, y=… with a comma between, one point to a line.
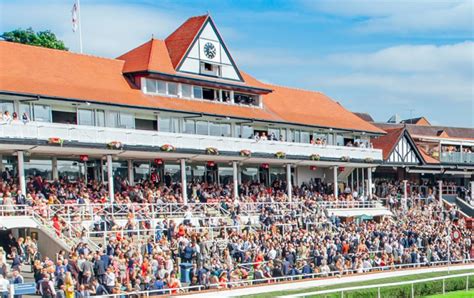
x=85, y=117
x=150, y=86
x=226, y=96
x=189, y=126
x=161, y=87
x=202, y=128
x=247, y=99
x=25, y=108
x=197, y=91
x=127, y=120
x=208, y=66
x=247, y=131
x=175, y=125
x=186, y=90
x=296, y=136
x=214, y=129
x=173, y=89
x=42, y=113
x=6, y=106
x=164, y=124
x=304, y=137
x=100, y=118
x=274, y=133
x=225, y=130
x=209, y=94
x=112, y=119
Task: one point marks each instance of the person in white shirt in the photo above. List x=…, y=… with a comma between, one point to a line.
x=4, y=285
x=110, y=280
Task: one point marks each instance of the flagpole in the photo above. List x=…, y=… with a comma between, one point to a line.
x=80, y=25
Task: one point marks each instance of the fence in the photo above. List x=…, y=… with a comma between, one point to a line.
x=397, y=284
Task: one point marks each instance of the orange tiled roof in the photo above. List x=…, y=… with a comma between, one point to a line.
x=179, y=41
x=428, y=159
x=53, y=73
x=152, y=55
x=388, y=141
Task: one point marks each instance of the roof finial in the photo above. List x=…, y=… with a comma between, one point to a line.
x=152, y=36
x=208, y=13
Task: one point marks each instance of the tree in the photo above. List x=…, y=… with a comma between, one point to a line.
x=28, y=36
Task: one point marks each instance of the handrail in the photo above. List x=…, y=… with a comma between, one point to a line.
x=378, y=286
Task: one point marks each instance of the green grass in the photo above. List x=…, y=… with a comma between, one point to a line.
x=456, y=294
x=386, y=292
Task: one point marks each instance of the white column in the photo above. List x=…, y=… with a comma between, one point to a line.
x=21, y=171
x=131, y=176
x=440, y=189
x=352, y=181
x=54, y=163
x=472, y=190
x=110, y=177
x=357, y=181
x=184, y=188
x=2, y=166
x=369, y=177
x=288, y=182
x=405, y=191
x=235, y=176
x=336, y=190
x=363, y=182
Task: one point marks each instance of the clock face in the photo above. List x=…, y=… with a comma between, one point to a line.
x=209, y=50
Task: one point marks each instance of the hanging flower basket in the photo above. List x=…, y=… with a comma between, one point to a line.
x=56, y=141
x=212, y=151
x=314, y=157
x=115, y=145
x=245, y=153
x=369, y=160
x=345, y=158
x=168, y=148
x=280, y=155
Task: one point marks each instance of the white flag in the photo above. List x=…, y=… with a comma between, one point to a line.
x=75, y=20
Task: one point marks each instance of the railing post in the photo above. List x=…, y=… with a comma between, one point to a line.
x=378, y=292
x=467, y=283
x=413, y=290
x=444, y=286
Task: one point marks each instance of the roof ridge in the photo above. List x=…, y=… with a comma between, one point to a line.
x=59, y=51
x=150, y=53
x=193, y=17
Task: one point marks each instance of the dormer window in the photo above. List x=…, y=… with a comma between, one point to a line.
x=210, y=69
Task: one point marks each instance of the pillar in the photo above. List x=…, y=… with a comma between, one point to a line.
x=472, y=190
x=131, y=176
x=184, y=188
x=21, y=171
x=336, y=190
x=363, y=182
x=369, y=177
x=2, y=166
x=440, y=189
x=110, y=177
x=288, y=182
x=54, y=170
x=352, y=181
x=405, y=192
x=235, y=176
x=357, y=181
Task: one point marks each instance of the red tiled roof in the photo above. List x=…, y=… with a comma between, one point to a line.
x=179, y=41
x=388, y=142
x=53, y=73
x=428, y=159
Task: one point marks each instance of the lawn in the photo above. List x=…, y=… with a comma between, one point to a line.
x=387, y=292
x=456, y=294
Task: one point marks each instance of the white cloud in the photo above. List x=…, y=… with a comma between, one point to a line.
x=405, y=16
x=107, y=29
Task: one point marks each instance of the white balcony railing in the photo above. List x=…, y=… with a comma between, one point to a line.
x=104, y=135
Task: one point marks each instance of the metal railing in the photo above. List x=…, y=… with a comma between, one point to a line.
x=350, y=204
x=457, y=157
x=395, y=284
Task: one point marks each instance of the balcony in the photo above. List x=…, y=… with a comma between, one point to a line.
x=457, y=157
x=185, y=143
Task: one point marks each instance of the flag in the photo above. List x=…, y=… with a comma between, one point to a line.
x=75, y=20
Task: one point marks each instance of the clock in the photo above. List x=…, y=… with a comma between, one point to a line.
x=209, y=50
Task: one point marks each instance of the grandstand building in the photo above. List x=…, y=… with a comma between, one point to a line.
x=178, y=107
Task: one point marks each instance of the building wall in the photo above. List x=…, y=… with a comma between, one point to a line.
x=304, y=174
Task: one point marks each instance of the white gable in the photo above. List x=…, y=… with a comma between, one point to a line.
x=209, y=48
x=403, y=153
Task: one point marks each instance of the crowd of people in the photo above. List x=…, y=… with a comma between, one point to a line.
x=298, y=241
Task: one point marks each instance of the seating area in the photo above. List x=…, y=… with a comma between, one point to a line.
x=147, y=239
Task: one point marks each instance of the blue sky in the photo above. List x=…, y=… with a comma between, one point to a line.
x=381, y=57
